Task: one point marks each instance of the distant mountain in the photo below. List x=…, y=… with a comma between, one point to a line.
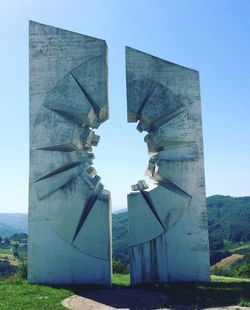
x=124, y=209
x=13, y=223
x=120, y=236
x=229, y=218
x=6, y=230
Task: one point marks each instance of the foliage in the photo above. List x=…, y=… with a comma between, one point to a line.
x=120, y=237
x=19, y=237
x=22, y=270
x=240, y=269
x=119, y=267
x=243, y=271
x=6, y=269
x=228, y=218
x=219, y=271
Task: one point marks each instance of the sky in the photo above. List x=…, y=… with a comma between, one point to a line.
x=210, y=36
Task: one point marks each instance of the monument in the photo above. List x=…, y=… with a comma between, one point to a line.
x=168, y=236
x=69, y=209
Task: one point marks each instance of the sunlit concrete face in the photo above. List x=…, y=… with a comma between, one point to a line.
x=168, y=236
x=69, y=209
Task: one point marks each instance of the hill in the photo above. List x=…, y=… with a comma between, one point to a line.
x=13, y=223
x=7, y=230
x=229, y=218
x=120, y=236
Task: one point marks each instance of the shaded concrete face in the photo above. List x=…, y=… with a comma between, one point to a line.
x=69, y=209
x=168, y=234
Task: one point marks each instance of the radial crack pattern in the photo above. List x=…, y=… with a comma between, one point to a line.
x=59, y=170
x=150, y=203
x=85, y=212
x=146, y=99
x=164, y=99
x=68, y=205
x=91, y=101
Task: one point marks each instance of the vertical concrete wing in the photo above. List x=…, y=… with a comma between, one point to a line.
x=164, y=98
x=69, y=209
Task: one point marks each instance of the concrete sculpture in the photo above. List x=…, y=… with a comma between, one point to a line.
x=168, y=234
x=69, y=210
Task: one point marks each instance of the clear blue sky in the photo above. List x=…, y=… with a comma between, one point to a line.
x=211, y=36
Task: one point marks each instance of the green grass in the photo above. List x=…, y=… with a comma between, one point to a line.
x=228, y=279
x=222, y=291
x=16, y=294
x=6, y=251
x=121, y=280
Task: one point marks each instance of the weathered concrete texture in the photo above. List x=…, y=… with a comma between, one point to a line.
x=69, y=210
x=168, y=221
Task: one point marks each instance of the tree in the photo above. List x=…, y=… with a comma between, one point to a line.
x=119, y=267
x=6, y=240
x=16, y=246
x=15, y=254
x=6, y=269
x=22, y=270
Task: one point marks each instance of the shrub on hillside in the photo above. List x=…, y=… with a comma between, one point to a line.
x=19, y=237
x=6, y=269
x=119, y=267
x=218, y=271
x=243, y=271
x=22, y=270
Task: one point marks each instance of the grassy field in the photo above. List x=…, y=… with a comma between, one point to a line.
x=222, y=291
x=16, y=294
x=6, y=253
x=121, y=280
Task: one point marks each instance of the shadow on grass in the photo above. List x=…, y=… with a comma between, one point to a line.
x=194, y=295
x=204, y=295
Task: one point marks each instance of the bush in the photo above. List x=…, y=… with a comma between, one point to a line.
x=6, y=269
x=218, y=271
x=215, y=243
x=119, y=267
x=22, y=270
x=243, y=271
x=18, y=237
